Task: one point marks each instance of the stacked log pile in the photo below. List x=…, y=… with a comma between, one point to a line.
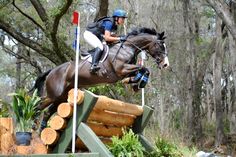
x=58, y=121
x=6, y=135
x=107, y=118
x=7, y=141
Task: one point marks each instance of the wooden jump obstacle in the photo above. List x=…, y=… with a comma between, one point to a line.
x=98, y=118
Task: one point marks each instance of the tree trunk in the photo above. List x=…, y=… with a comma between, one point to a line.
x=18, y=66
x=232, y=50
x=102, y=10
x=219, y=52
x=194, y=81
x=232, y=113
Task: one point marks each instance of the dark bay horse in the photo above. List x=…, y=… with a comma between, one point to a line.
x=120, y=63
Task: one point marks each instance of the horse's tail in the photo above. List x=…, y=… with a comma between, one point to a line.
x=39, y=83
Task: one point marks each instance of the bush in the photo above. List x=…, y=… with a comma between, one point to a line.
x=127, y=146
x=25, y=110
x=4, y=109
x=163, y=148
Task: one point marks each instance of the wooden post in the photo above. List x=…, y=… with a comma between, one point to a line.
x=139, y=125
x=141, y=121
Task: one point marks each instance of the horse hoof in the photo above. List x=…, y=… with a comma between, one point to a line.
x=43, y=126
x=144, y=81
x=142, y=84
x=135, y=88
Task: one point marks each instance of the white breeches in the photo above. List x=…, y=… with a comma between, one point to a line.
x=92, y=40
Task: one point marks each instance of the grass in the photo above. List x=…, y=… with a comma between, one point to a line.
x=173, y=142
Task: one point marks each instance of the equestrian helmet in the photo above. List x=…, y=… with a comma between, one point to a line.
x=119, y=13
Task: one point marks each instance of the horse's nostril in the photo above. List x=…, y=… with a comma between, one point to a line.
x=165, y=65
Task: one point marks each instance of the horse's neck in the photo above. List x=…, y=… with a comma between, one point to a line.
x=141, y=42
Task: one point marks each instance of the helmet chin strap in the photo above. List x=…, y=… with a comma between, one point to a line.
x=116, y=20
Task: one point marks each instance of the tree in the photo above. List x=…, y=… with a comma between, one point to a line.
x=44, y=35
x=223, y=10
x=226, y=12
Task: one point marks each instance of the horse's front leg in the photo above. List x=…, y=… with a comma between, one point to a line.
x=144, y=79
x=136, y=74
x=140, y=80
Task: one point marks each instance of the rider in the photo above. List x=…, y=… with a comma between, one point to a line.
x=101, y=31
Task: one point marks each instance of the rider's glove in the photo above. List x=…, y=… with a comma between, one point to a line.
x=123, y=38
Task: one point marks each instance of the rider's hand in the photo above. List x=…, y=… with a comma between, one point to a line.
x=123, y=38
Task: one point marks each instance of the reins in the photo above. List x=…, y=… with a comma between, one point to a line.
x=122, y=46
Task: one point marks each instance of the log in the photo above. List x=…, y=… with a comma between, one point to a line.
x=6, y=126
x=37, y=144
x=105, y=103
x=49, y=136
x=111, y=118
x=81, y=146
x=7, y=142
x=65, y=110
x=3, y=130
x=105, y=131
x=39, y=147
x=57, y=123
x=23, y=150
x=80, y=97
x=7, y=123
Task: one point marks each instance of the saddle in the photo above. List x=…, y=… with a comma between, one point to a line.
x=87, y=55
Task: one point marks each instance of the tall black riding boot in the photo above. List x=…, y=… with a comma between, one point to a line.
x=96, y=57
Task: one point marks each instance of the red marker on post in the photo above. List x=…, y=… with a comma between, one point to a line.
x=75, y=19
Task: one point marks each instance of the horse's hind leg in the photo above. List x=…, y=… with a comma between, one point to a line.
x=45, y=103
x=51, y=109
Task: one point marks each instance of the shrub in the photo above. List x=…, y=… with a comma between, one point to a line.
x=163, y=148
x=25, y=110
x=127, y=146
x=4, y=109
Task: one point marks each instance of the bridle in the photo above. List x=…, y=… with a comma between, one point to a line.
x=162, y=53
x=158, y=42
x=158, y=59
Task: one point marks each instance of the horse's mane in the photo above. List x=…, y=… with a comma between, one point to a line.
x=137, y=31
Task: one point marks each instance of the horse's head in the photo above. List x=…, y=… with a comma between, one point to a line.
x=157, y=49
x=153, y=42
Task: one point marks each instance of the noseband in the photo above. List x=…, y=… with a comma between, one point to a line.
x=158, y=59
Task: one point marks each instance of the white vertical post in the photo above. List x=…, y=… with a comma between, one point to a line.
x=76, y=84
x=143, y=57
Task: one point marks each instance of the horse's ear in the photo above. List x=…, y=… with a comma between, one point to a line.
x=161, y=36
